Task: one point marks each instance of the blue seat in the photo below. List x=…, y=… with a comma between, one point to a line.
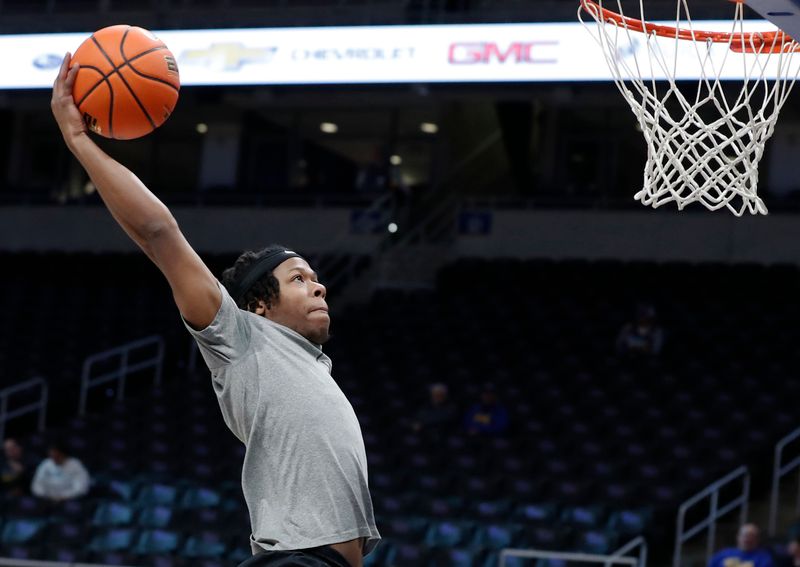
x=630, y=522
x=206, y=544
x=496, y=536
x=157, y=495
x=200, y=498
x=21, y=531
x=155, y=542
x=112, y=540
x=112, y=514
x=491, y=509
x=155, y=517
x=583, y=516
x=597, y=541
x=536, y=513
x=122, y=489
x=450, y=534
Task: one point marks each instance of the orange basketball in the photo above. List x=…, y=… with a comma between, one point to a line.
x=127, y=84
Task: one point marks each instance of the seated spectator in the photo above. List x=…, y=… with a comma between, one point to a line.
x=438, y=413
x=488, y=417
x=15, y=471
x=643, y=336
x=747, y=553
x=60, y=477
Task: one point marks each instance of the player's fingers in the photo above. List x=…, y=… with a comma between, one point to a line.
x=70, y=79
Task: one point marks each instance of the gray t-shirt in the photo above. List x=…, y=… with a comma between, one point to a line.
x=305, y=467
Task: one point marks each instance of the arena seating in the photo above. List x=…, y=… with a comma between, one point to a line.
x=601, y=448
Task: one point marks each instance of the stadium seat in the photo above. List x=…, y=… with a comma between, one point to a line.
x=200, y=498
x=543, y=513
x=597, y=541
x=21, y=531
x=113, y=514
x=112, y=540
x=155, y=517
x=630, y=522
x=204, y=545
x=496, y=536
x=153, y=542
x=157, y=494
x=583, y=516
x=449, y=533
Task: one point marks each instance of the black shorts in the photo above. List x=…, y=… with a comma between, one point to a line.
x=324, y=556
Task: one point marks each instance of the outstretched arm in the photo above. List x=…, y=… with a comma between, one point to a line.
x=141, y=215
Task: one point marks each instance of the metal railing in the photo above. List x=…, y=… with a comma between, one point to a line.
x=779, y=471
x=38, y=406
x=712, y=491
x=123, y=368
x=616, y=558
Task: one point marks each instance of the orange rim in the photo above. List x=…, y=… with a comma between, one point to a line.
x=751, y=42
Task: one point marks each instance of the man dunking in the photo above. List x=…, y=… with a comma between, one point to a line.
x=305, y=472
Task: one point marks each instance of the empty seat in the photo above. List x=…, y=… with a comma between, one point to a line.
x=152, y=542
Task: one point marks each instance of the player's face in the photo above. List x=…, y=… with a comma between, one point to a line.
x=301, y=305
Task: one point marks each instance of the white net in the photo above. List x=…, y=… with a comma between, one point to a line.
x=704, y=140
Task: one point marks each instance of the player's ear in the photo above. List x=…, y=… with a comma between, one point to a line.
x=262, y=308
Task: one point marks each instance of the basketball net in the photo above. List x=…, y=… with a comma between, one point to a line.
x=704, y=142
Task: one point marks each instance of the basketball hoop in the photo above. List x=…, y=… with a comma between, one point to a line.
x=703, y=143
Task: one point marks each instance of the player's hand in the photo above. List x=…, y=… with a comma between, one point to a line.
x=63, y=106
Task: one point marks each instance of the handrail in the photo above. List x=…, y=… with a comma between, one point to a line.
x=566, y=556
x=40, y=405
x=715, y=511
x=639, y=542
x=123, y=369
x=779, y=471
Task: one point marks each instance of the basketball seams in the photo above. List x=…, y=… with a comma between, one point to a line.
x=110, y=88
x=118, y=67
x=103, y=78
x=156, y=79
x=125, y=82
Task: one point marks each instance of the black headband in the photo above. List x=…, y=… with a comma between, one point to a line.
x=263, y=266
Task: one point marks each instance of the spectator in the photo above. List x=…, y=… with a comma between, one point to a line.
x=488, y=417
x=438, y=413
x=60, y=477
x=15, y=473
x=793, y=551
x=746, y=553
x=643, y=336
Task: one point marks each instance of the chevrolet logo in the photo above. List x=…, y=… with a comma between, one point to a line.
x=227, y=56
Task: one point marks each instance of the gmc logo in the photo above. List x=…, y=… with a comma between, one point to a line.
x=471, y=53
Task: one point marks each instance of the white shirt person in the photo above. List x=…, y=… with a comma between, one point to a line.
x=60, y=477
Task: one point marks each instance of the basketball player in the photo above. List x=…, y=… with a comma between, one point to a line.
x=305, y=473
